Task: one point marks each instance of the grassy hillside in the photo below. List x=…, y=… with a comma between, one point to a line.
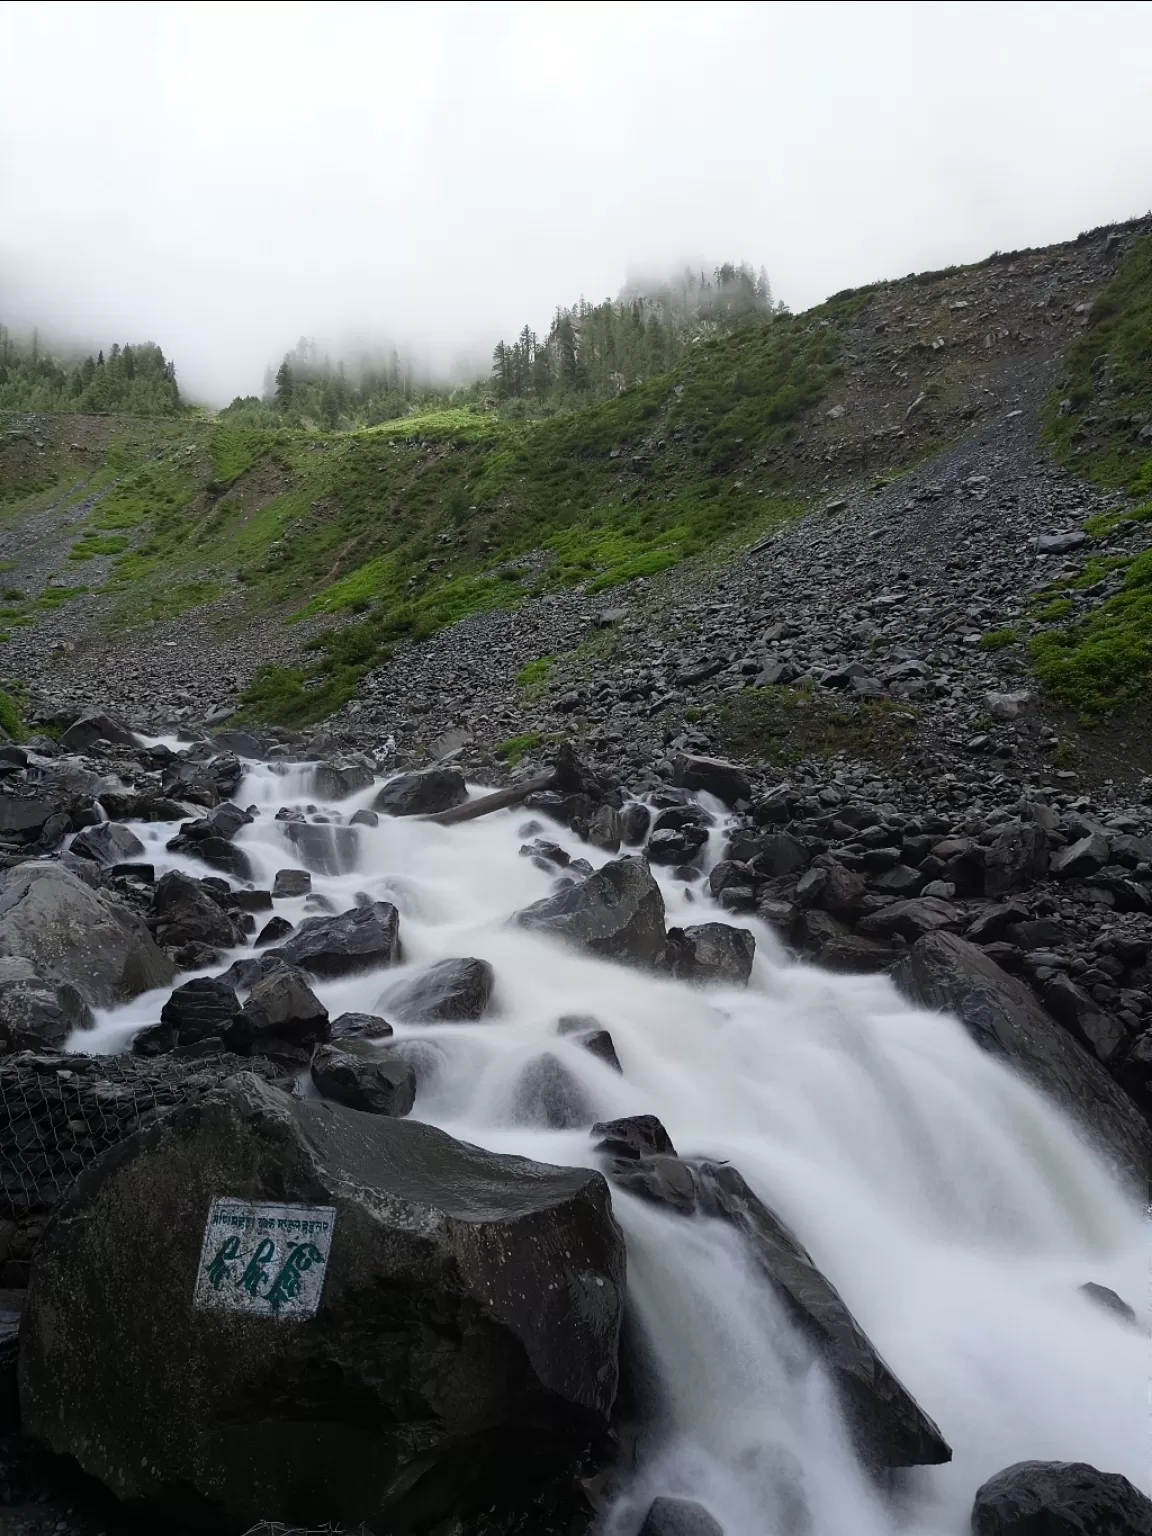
x=403, y=528
x=1099, y=422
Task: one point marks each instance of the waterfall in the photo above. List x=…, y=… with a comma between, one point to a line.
x=954, y=1208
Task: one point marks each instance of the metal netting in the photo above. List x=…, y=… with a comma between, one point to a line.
x=58, y=1113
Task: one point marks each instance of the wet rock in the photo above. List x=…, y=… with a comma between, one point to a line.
x=889, y=1426
x=361, y=939
x=635, y=819
x=72, y=934
x=201, y=1009
x=291, y=882
x=780, y=854
x=711, y=953
x=679, y=1517
x=360, y=1026
x=363, y=818
x=325, y=848
x=107, y=843
x=1102, y=1296
x=275, y=929
x=617, y=913
x=854, y=954
x=90, y=729
x=450, y=990
x=676, y=845
x=634, y=1136
x=339, y=779
x=471, y=1308
x=241, y=744
x=281, y=1009
x=1004, y=1017
x=422, y=794
x=36, y=1014
x=377, y=1086
x=1060, y=1498
x=185, y=913
x=713, y=775
x=604, y=829
x=548, y=1095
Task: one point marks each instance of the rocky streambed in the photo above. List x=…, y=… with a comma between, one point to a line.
x=685, y=1154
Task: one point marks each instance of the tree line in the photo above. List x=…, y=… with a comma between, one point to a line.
x=133, y=380
x=593, y=351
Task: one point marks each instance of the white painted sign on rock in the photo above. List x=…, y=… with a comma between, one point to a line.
x=264, y=1259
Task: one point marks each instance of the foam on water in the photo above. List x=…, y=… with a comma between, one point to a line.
x=955, y=1210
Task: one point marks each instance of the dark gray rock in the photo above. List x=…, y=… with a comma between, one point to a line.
x=1016, y=859
x=676, y=845
x=715, y=776
x=360, y=1026
x=1060, y=1498
x=889, y=1426
x=548, y=1096
x=634, y=1136
x=911, y=919
x=291, y=882
x=199, y=1010
x=1103, y=1296
x=1004, y=1017
x=635, y=819
x=470, y=1311
x=375, y=1085
x=1081, y=858
x=281, y=1009
x=107, y=843
x=275, y=929
x=422, y=794
x=35, y=1014
x=780, y=854
x=679, y=1517
x=70, y=933
x=711, y=953
x=1102, y=1033
x=186, y=913
x=339, y=779
x=617, y=913
x=23, y=819
x=361, y=939
x=87, y=731
x=449, y=991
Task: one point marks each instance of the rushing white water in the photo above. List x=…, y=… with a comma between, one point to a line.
x=955, y=1210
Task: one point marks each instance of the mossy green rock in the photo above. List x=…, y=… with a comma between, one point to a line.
x=464, y=1345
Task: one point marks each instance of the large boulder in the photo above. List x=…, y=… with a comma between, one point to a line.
x=36, y=1014
x=186, y=913
x=281, y=1010
x=617, y=913
x=338, y=779
x=450, y=990
x=715, y=776
x=711, y=952
x=71, y=933
x=84, y=733
x=348, y=1318
x=23, y=819
x=1005, y=1017
x=422, y=794
x=107, y=843
x=377, y=1085
x=889, y=1426
x=679, y=1517
x=1060, y=1498
x=361, y=939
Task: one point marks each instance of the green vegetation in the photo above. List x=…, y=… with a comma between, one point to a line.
x=1105, y=523
x=11, y=724
x=131, y=381
x=1100, y=419
x=93, y=544
x=536, y=673
x=1104, y=662
x=998, y=639
x=1056, y=610
x=785, y=725
x=517, y=747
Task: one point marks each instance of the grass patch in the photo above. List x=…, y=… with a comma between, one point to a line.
x=998, y=639
x=785, y=725
x=56, y=597
x=1107, y=383
x=536, y=673
x=11, y=722
x=93, y=544
x=517, y=747
x=1104, y=663
x=1105, y=523
x=1055, y=612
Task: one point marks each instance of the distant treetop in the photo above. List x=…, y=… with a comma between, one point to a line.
x=133, y=380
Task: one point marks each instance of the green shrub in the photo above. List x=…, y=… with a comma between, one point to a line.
x=998, y=639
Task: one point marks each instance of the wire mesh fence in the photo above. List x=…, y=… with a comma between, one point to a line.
x=58, y=1113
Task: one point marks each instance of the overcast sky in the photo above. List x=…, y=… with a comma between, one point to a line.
x=223, y=178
